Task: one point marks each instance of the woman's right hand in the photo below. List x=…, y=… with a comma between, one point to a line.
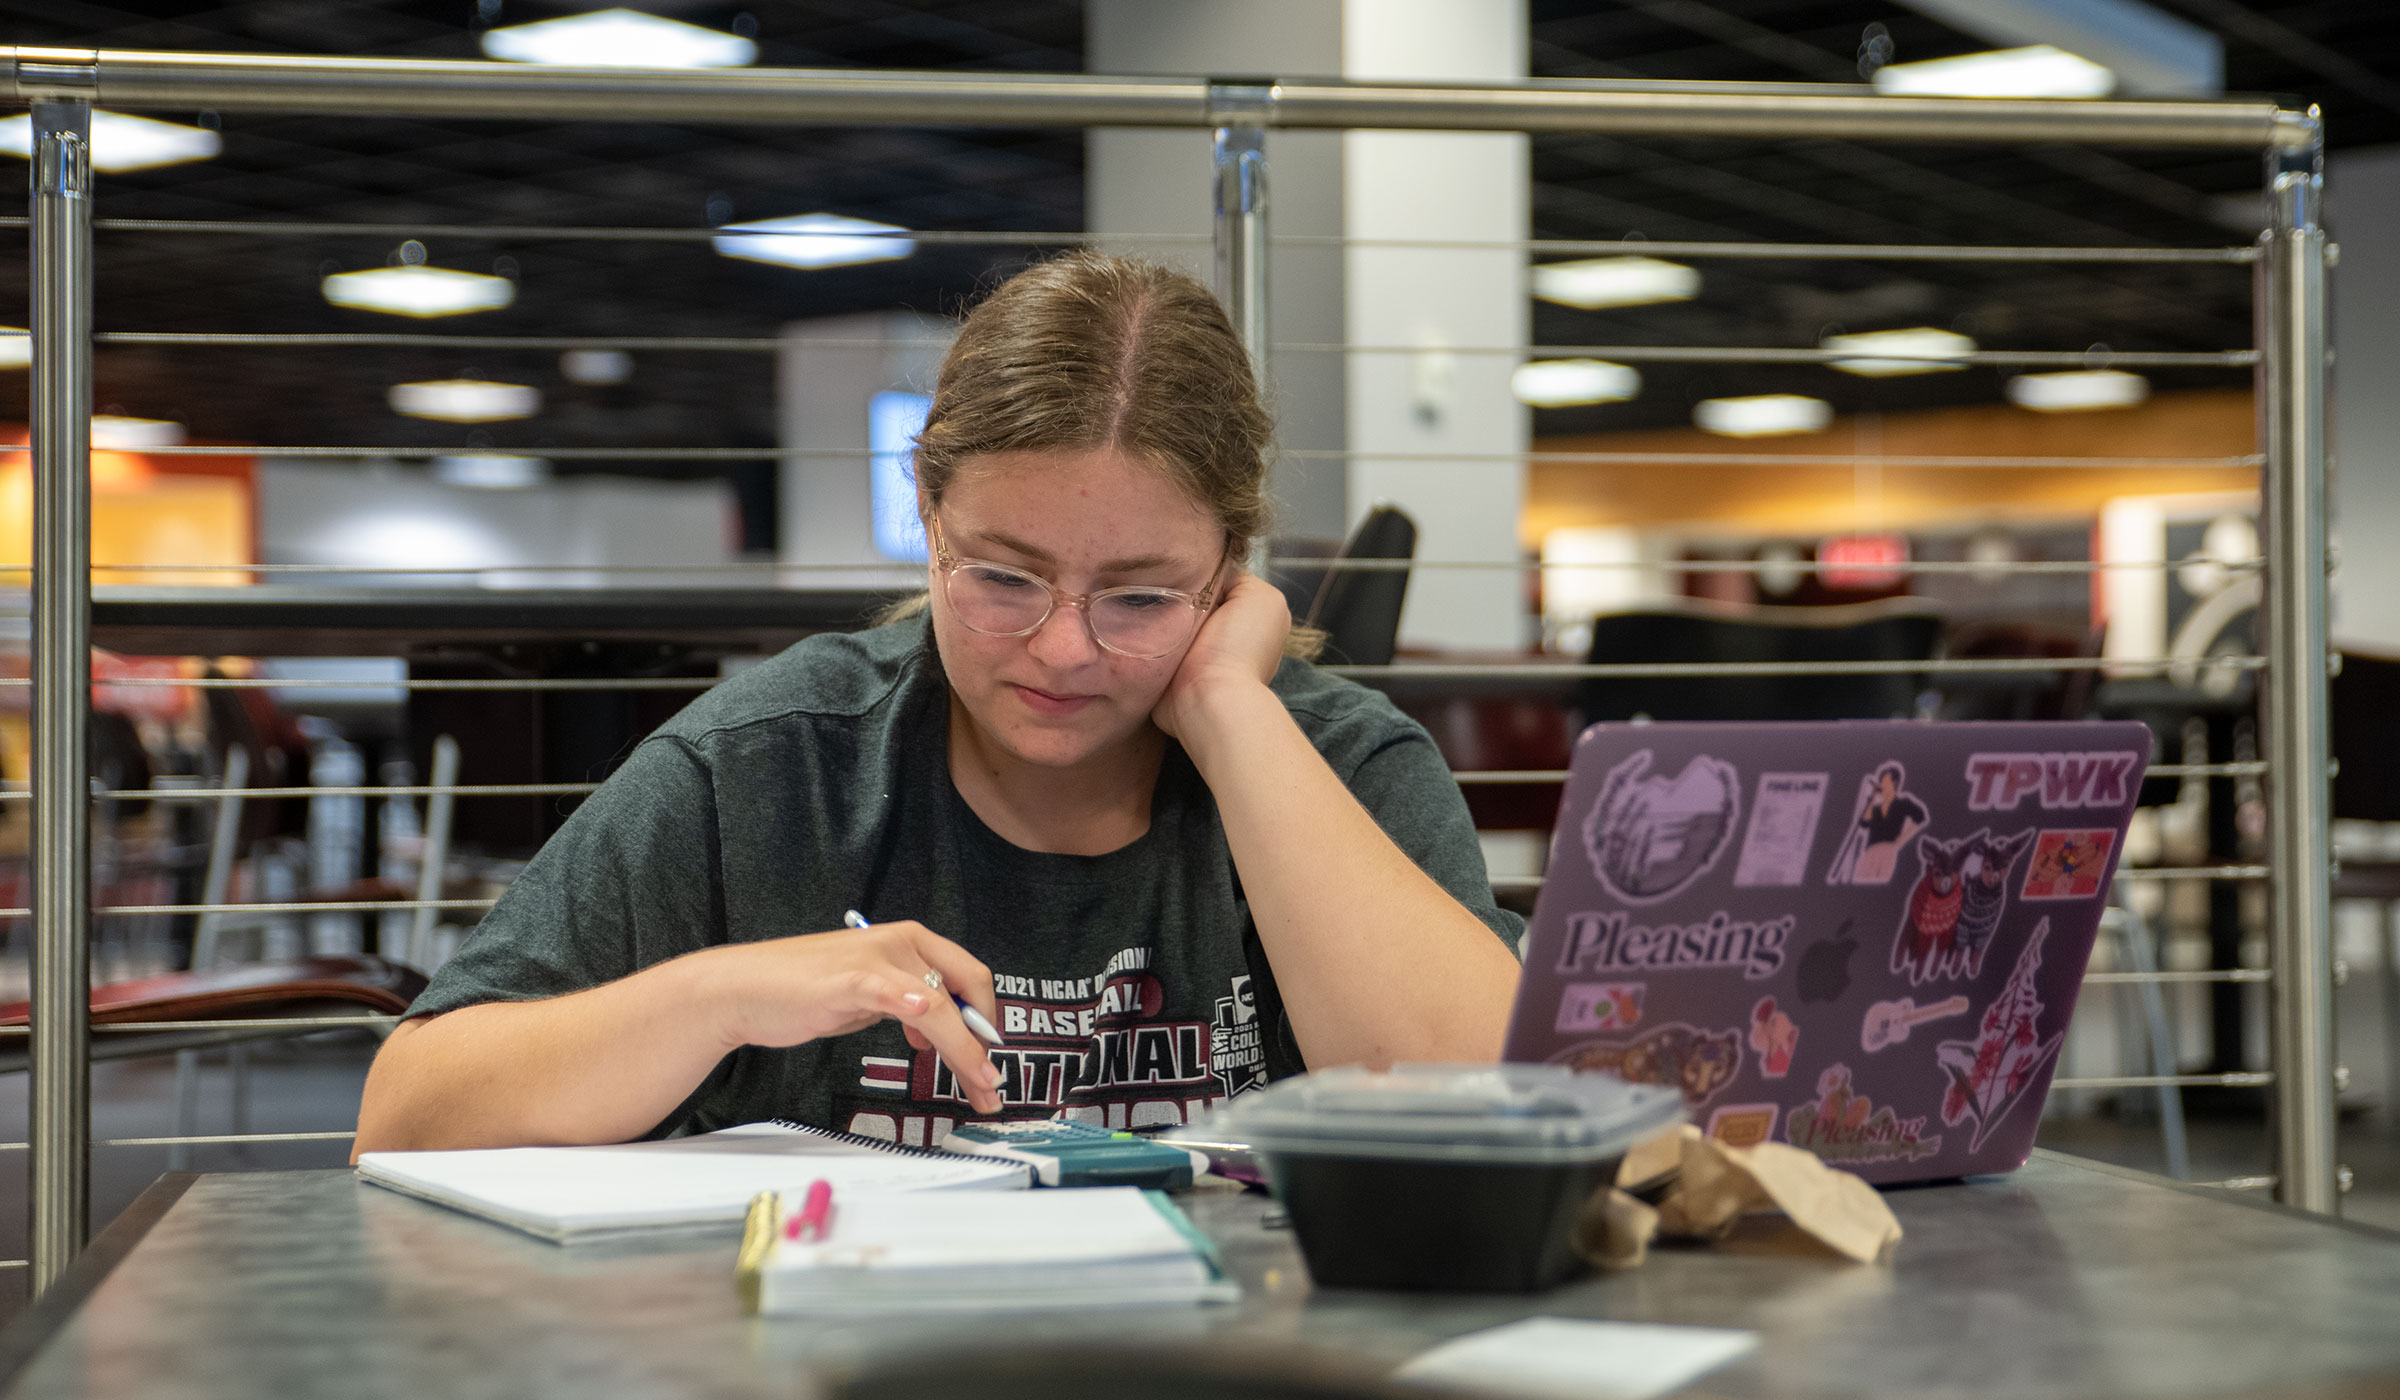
x=788, y=991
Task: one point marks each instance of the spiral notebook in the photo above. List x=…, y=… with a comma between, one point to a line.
x=1103, y=1246
x=571, y=1195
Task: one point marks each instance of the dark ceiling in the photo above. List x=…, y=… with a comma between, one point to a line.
x=490, y=173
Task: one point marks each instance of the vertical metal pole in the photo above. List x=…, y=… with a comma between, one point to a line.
x=1241, y=235
x=2292, y=421
x=62, y=686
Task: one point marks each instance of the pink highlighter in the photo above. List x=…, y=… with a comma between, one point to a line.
x=816, y=1212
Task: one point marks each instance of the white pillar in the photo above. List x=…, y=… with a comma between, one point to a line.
x=825, y=376
x=2362, y=204
x=1439, y=185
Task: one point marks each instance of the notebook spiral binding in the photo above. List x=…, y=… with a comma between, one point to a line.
x=862, y=1140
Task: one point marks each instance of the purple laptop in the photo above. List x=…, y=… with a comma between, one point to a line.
x=1862, y=938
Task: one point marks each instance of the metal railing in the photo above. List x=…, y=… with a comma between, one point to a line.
x=62, y=85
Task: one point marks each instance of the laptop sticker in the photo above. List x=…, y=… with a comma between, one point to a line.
x=1600, y=1006
x=1773, y=1037
x=1613, y=942
x=1990, y=1074
x=1889, y=1022
x=1985, y=875
x=1676, y=1055
x=1783, y=829
x=1927, y=943
x=1845, y=1127
x=2068, y=864
x=1999, y=781
x=1955, y=908
x=1743, y=1124
x=1886, y=818
x=1650, y=837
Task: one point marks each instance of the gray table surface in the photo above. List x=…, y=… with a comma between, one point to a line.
x=2065, y=1279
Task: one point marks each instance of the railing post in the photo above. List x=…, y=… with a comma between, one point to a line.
x=1241, y=224
x=62, y=686
x=2292, y=425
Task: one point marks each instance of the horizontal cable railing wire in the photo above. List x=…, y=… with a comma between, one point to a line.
x=2233, y=1079
x=2141, y=874
x=206, y=1139
x=1964, y=666
x=1957, y=666
x=338, y=906
x=1674, y=248
x=1559, y=775
x=914, y=572
x=231, y=1023
x=1943, y=461
x=1655, y=354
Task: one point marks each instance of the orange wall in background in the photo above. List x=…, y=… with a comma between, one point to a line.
x=2188, y=437
x=146, y=510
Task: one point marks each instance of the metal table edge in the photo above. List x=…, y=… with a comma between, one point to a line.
x=34, y=1328
x=2245, y=1199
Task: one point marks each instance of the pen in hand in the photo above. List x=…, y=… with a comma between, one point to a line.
x=983, y=1029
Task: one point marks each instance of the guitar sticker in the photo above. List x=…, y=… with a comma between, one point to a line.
x=1889, y=1022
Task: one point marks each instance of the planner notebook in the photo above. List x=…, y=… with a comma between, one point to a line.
x=1104, y=1246
x=569, y=1195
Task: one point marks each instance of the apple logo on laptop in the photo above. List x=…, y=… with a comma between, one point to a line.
x=1825, y=967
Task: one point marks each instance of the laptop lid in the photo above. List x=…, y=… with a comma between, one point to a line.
x=1864, y=938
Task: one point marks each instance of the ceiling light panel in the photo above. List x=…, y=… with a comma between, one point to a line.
x=1593, y=283
x=1762, y=415
x=121, y=143
x=619, y=39
x=465, y=400
x=815, y=240
x=1566, y=383
x=1916, y=350
x=2076, y=391
x=2037, y=70
x=419, y=291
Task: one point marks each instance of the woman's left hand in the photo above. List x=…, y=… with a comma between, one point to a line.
x=1240, y=644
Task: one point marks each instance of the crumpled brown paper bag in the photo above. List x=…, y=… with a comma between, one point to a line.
x=1717, y=1185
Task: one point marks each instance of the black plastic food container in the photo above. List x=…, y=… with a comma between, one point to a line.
x=1456, y=1178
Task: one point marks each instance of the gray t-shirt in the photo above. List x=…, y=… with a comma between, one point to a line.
x=1133, y=988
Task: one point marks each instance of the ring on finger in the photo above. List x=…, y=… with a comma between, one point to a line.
x=933, y=979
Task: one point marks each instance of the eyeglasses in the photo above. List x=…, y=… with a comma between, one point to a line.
x=1134, y=621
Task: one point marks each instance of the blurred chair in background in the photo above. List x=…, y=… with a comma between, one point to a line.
x=2018, y=695
x=1359, y=609
x=2366, y=788
x=1716, y=633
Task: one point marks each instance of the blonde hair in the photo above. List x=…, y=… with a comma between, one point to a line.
x=1091, y=350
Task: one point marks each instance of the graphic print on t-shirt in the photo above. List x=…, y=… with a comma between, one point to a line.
x=1096, y=1049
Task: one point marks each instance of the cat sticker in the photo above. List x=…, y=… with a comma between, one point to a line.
x=1955, y=908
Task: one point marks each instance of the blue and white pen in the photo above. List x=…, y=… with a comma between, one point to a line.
x=984, y=1030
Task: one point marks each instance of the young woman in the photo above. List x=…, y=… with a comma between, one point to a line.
x=1085, y=788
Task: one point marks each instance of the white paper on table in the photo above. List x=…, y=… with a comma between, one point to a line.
x=1576, y=1360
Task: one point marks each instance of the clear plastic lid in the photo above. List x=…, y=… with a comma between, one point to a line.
x=1530, y=1115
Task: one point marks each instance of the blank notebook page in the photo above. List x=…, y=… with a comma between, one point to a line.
x=562, y=1192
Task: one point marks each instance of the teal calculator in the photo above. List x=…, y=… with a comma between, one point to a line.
x=1067, y=1153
